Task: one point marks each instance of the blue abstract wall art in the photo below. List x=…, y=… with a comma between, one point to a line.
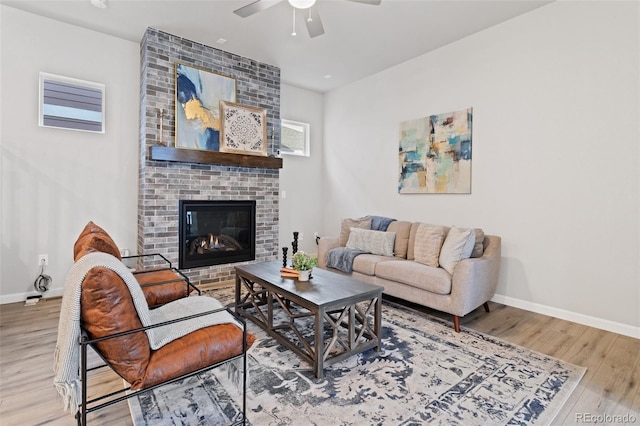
x=198, y=96
x=435, y=154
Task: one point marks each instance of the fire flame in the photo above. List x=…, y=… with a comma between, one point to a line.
x=213, y=241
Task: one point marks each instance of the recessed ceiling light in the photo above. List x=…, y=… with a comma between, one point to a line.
x=101, y=4
x=221, y=41
x=328, y=76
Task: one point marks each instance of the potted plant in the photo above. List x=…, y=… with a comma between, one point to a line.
x=303, y=263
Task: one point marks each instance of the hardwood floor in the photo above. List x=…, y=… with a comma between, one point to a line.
x=611, y=386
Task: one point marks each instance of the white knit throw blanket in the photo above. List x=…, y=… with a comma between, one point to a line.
x=67, y=353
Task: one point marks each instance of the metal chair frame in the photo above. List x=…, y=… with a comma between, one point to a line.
x=169, y=267
x=88, y=406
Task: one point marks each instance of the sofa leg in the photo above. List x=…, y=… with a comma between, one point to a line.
x=486, y=307
x=456, y=323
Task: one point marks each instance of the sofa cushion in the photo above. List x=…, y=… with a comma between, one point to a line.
x=457, y=246
x=428, y=243
x=478, y=247
x=347, y=224
x=412, y=238
x=374, y=242
x=402, y=229
x=366, y=263
x=412, y=241
x=94, y=238
x=434, y=280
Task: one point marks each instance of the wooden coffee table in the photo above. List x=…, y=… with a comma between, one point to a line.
x=346, y=314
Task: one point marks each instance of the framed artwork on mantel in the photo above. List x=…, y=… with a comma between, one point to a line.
x=244, y=129
x=198, y=96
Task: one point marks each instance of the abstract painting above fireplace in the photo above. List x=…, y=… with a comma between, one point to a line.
x=215, y=232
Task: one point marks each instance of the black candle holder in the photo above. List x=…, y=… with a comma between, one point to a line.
x=284, y=256
x=294, y=243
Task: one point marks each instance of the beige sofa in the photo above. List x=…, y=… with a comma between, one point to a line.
x=468, y=283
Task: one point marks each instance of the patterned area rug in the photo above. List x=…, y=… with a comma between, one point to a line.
x=426, y=373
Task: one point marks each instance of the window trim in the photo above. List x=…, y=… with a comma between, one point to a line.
x=306, y=129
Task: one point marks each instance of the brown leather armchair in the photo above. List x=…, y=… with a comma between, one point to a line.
x=111, y=325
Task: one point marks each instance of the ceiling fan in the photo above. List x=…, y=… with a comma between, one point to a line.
x=313, y=22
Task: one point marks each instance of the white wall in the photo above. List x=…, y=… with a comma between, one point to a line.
x=54, y=181
x=555, y=156
x=301, y=177
x=555, y=97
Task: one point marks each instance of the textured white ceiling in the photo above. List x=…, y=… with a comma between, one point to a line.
x=359, y=39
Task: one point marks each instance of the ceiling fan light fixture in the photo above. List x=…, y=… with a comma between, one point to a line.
x=302, y=4
x=293, y=33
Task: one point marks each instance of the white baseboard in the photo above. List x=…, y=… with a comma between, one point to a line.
x=603, y=324
x=21, y=297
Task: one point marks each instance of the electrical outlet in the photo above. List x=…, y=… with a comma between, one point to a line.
x=300, y=236
x=43, y=259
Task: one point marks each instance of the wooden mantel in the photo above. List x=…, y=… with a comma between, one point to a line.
x=165, y=153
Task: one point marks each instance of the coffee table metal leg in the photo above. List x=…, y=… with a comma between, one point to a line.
x=378, y=322
x=270, y=310
x=352, y=327
x=319, y=345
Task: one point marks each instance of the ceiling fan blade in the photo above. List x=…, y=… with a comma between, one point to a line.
x=255, y=7
x=313, y=22
x=371, y=2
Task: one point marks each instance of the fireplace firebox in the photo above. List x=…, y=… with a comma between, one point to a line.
x=216, y=232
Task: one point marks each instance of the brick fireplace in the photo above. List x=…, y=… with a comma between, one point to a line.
x=162, y=184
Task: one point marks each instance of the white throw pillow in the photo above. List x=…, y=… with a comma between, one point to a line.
x=374, y=242
x=457, y=246
x=428, y=243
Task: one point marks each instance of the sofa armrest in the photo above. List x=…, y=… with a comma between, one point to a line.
x=475, y=280
x=324, y=245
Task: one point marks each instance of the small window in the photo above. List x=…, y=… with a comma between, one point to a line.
x=69, y=103
x=294, y=138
